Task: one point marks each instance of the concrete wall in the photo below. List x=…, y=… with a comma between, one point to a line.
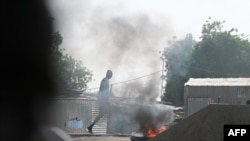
x=72, y=115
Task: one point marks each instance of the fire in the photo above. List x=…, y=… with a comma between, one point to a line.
x=152, y=133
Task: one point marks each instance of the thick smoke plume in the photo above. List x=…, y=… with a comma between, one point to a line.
x=130, y=46
x=106, y=37
x=138, y=115
x=147, y=89
x=110, y=37
x=151, y=116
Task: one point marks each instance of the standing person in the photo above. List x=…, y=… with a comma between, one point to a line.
x=103, y=99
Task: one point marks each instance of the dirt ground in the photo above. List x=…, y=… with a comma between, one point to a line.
x=207, y=124
x=101, y=138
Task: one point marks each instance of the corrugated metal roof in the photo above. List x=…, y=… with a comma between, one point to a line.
x=218, y=82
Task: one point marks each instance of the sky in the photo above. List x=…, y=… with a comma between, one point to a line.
x=128, y=36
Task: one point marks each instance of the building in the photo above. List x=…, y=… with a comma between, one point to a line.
x=200, y=92
x=74, y=114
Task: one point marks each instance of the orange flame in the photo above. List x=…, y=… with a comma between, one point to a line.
x=152, y=133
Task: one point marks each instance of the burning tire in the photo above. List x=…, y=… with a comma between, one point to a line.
x=134, y=138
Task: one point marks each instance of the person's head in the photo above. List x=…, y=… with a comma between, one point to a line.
x=109, y=74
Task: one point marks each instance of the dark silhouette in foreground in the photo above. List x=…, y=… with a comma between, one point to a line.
x=26, y=75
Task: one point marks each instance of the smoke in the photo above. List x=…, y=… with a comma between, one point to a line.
x=130, y=46
x=127, y=41
x=110, y=37
x=137, y=115
x=150, y=116
x=147, y=89
x=141, y=111
x=178, y=56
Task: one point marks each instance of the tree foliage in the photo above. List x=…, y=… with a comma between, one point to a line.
x=177, y=57
x=70, y=73
x=219, y=54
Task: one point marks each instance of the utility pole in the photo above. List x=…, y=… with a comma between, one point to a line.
x=162, y=74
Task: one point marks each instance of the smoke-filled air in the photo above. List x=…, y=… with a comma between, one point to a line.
x=106, y=37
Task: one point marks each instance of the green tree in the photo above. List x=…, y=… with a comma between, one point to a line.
x=219, y=54
x=69, y=73
x=177, y=57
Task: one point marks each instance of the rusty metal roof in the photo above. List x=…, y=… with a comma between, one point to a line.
x=218, y=82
